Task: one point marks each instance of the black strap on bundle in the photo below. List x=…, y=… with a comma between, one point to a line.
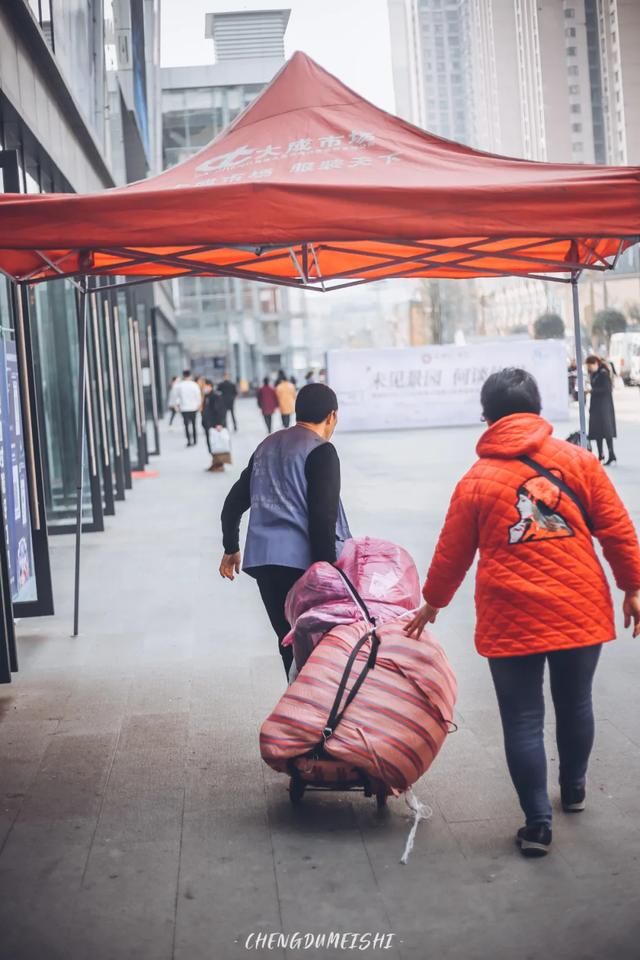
x=561, y=485
x=338, y=709
x=356, y=596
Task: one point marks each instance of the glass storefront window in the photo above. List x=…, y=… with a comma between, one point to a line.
x=16, y=511
x=127, y=377
x=53, y=313
x=100, y=319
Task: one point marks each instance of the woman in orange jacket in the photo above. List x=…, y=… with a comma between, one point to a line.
x=531, y=505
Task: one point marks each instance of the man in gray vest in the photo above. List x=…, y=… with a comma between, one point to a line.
x=292, y=488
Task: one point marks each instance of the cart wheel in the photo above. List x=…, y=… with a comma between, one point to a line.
x=296, y=790
x=381, y=799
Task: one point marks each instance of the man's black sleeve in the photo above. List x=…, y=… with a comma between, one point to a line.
x=322, y=471
x=238, y=502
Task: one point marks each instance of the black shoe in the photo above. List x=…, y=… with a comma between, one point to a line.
x=610, y=461
x=573, y=799
x=534, y=841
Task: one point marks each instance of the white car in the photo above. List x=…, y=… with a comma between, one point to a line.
x=623, y=350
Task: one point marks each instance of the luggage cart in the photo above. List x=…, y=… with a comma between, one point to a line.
x=324, y=773
x=317, y=769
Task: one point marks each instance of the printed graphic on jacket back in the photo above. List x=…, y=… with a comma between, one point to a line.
x=537, y=502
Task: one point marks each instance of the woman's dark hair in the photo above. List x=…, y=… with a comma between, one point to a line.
x=315, y=402
x=593, y=359
x=510, y=391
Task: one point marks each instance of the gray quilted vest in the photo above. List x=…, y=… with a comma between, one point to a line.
x=278, y=523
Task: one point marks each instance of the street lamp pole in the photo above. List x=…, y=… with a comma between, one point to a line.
x=579, y=364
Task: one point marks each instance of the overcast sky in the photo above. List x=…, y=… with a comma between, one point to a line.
x=348, y=37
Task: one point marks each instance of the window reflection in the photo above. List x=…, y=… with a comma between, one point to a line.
x=53, y=311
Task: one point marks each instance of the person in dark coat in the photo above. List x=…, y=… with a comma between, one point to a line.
x=602, y=414
x=214, y=411
x=214, y=417
x=229, y=392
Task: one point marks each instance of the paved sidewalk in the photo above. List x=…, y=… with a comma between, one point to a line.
x=138, y=821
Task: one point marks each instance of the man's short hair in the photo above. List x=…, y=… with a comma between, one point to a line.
x=186, y=373
x=510, y=391
x=315, y=402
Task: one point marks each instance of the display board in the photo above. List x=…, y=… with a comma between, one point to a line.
x=13, y=471
x=439, y=386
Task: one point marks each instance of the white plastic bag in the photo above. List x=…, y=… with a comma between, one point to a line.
x=220, y=441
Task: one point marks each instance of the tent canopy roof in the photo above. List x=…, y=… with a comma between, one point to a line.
x=314, y=186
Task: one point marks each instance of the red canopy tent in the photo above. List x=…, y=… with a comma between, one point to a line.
x=314, y=187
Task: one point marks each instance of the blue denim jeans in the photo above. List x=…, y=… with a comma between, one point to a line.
x=519, y=688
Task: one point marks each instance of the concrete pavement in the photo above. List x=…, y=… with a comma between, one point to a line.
x=137, y=819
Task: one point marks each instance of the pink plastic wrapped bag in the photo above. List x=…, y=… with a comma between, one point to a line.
x=384, y=575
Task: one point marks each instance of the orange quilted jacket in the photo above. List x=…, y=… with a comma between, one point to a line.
x=540, y=585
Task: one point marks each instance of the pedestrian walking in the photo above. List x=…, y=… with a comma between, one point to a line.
x=173, y=402
x=212, y=411
x=572, y=378
x=531, y=505
x=602, y=414
x=286, y=394
x=190, y=402
x=268, y=402
x=214, y=416
x=229, y=392
x=292, y=489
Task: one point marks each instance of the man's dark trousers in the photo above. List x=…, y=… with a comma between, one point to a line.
x=190, y=426
x=231, y=410
x=274, y=583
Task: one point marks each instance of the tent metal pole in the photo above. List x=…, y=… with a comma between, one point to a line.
x=579, y=365
x=82, y=302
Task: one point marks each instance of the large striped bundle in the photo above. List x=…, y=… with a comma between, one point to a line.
x=395, y=725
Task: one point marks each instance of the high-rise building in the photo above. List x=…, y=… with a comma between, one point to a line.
x=443, y=30
x=595, y=81
x=619, y=34
x=432, y=88
x=250, y=328
x=534, y=79
x=406, y=60
x=549, y=80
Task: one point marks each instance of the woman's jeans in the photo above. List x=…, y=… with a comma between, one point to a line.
x=519, y=687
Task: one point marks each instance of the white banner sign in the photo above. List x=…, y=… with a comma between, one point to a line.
x=439, y=386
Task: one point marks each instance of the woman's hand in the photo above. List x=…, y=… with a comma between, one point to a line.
x=425, y=615
x=631, y=610
x=230, y=565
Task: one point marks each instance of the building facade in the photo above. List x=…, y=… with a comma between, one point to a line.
x=547, y=80
x=251, y=329
x=406, y=60
x=443, y=30
x=78, y=113
x=618, y=25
